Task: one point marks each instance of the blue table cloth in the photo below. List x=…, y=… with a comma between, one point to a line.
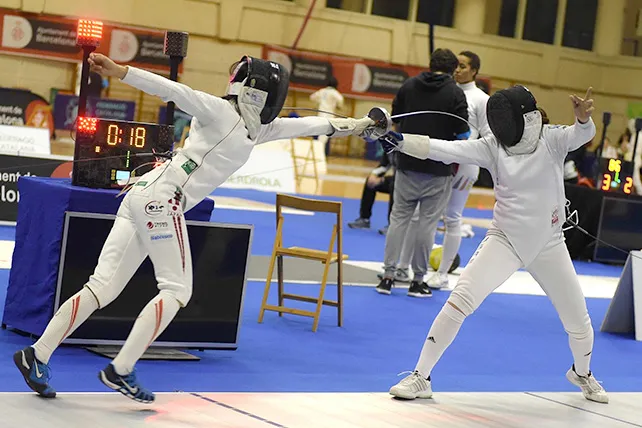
x=34, y=270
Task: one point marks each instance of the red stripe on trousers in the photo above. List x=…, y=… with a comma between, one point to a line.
x=179, y=235
x=159, y=316
x=75, y=304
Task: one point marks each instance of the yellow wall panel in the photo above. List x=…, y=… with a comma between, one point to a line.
x=223, y=30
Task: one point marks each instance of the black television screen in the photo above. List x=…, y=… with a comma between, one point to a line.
x=211, y=320
x=620, y=225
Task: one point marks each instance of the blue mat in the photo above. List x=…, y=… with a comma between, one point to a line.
x=513, y=343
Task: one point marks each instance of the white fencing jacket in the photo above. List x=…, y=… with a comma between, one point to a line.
x=529, y=188
x=218, y=143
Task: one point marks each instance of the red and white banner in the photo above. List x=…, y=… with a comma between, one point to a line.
x=46, y=36
x=357, y=78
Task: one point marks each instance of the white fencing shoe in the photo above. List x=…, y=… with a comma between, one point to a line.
x=591, y=388
x=438, y=281
x=412, y=386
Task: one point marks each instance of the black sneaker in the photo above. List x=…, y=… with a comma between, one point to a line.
x=419, y=289
x=360, y=223
x=385, y=286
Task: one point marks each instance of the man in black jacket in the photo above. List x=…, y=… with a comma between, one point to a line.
x=423, y=183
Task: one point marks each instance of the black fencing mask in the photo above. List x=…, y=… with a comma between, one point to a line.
x=261, y=88
x=514, y=119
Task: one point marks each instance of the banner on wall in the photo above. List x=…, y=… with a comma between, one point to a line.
x=42, y=166
x=47, y=36
x=269, y=168
x=19, y=107
x=66, y=109
x=24, y=139
x=357, y=78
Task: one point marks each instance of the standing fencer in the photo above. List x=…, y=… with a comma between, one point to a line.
x=150, y=220
x=465, y=177
x=526, y=161
x=328, y=100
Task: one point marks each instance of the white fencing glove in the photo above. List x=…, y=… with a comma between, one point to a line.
x=350, y=126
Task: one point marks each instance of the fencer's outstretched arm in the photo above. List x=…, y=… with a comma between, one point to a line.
x=474, y=152
x=199, y=104
x=202, y=106
x=284, y=128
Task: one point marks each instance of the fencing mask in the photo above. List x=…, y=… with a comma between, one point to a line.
x=261, y=88
x=514, y=119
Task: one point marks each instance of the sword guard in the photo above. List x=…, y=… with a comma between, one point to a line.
x=382, y=125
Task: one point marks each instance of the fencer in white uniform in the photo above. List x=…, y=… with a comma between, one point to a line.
x=329, y=100
x=526, y=161
x=150, y=221
x=463, y=181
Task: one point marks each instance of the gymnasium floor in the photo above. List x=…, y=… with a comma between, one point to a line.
x=506, y=368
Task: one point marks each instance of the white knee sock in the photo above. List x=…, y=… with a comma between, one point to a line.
x=452, y=241
x=441, y=334
x=151, y=322
x=582, y=349
x=70, y=315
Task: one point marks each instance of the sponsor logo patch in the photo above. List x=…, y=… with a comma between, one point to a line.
x=154, y=208
x=161, y=237
x=154, y=225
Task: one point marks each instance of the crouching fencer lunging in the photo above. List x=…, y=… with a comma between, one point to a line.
x=526, y=161
x=151, y=222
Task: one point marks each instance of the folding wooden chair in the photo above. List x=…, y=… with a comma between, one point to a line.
x=326, y=257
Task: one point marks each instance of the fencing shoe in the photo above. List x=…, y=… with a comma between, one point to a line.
x=438, y=281
x=591, y=388
x=35, y=373
x=412, y=386
x=126, y=385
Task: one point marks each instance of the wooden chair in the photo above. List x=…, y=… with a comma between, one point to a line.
x=326, y=257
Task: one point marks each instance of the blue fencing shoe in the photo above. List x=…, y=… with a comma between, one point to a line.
x=35, y=373
x=126, y=385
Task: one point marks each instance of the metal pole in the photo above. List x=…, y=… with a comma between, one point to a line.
x=84, y=80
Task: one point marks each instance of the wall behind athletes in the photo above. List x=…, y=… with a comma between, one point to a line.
x=223, y=30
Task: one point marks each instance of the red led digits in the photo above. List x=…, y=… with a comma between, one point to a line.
x=89, y=33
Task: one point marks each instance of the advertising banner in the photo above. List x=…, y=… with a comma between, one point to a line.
x=357, y=78
x=12, y=167
x=66, y=110
x=24, y=108
x=46, y=36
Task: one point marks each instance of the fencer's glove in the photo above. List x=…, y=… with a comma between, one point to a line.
x=350, y=126
x=391, y=142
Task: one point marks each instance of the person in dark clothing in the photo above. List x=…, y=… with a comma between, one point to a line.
x=381, y=179
x=423, y=184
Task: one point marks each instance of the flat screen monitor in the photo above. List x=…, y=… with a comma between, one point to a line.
x=620, y=225
x=212, y=318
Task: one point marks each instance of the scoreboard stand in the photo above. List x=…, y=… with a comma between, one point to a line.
x=109, y=154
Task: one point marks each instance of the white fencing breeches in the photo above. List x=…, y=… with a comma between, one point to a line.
x=491, y=265
x=151, y=222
